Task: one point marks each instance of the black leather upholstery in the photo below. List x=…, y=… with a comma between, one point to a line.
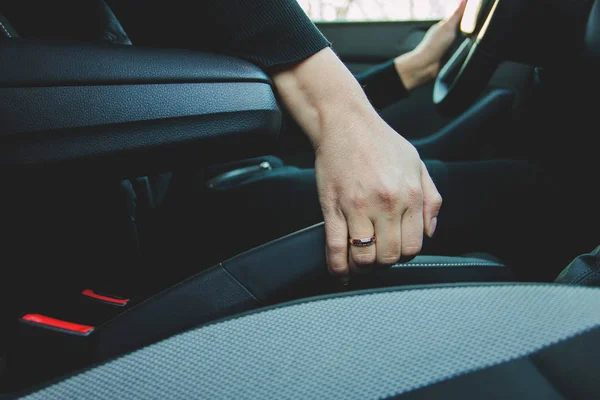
x=51, y=63
x=279, y=271
x=592, y=35
x=304, y=274
x=438, y=269
x=6, y=29
x=211, y=295
x=477, y=341
x=113, y=31
x=584, y=270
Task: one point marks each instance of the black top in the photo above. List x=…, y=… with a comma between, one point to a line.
x=382, y=84
x=269, y=33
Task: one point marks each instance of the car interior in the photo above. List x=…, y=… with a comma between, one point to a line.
x=226, y=317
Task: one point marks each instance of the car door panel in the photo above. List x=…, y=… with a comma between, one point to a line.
x=362, y=45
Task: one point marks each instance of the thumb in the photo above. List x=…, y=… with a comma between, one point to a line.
x=432, y=202
x=458, y=13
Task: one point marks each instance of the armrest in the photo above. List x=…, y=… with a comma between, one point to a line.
x=295, y=267
x=286, y=269
x=133, y=109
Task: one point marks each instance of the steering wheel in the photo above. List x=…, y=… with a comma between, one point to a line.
x=469, y=69
x=543, y=33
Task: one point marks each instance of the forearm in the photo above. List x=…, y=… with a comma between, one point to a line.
x=320, y=91
x=371, y=181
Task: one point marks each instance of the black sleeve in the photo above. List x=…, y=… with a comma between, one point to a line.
x=270, y=33
x=382, y=84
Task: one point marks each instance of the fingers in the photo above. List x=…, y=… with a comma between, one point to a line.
x=412, y=232
x=389, y=239
x=399, y=232
x=336, y=250
x=454, y=19
x=458, y=13
x=432, y=202
x=361, y=227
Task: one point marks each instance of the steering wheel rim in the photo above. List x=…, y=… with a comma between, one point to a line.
x=464, y=77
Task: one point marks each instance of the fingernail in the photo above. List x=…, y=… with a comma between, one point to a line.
x=345, y=280
x=432, y=226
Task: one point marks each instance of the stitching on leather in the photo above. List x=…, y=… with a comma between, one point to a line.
x=587, y=277
x=241, y=285
x=6, y=32
x=449, y=265
x=586, y=273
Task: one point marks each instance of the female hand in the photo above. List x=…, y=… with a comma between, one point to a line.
x=371, y=181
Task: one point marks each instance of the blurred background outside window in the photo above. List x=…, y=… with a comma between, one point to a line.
x=377, y=10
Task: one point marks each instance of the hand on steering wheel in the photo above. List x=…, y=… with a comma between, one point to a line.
x=423, y=64
x=468, y=70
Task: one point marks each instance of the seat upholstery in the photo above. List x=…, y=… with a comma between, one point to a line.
x=467, y=261
x=492, y=341
x=6, y=29
x=477, y=267
x=584, y=270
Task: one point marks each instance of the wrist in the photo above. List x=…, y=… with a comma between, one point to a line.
x=415, y=70
x=342, y=118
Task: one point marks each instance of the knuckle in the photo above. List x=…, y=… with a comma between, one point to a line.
x=388, y=198
x=358, y=202
x=414, y=193
x=412, y=150
x=436, y=200
x=336, y=247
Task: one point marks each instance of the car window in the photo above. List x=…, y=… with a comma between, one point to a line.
x=377, y=10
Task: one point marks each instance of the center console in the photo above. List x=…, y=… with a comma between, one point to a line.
x=90, y=326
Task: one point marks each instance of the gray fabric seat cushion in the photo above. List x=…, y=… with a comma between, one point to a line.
x=370, y=345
